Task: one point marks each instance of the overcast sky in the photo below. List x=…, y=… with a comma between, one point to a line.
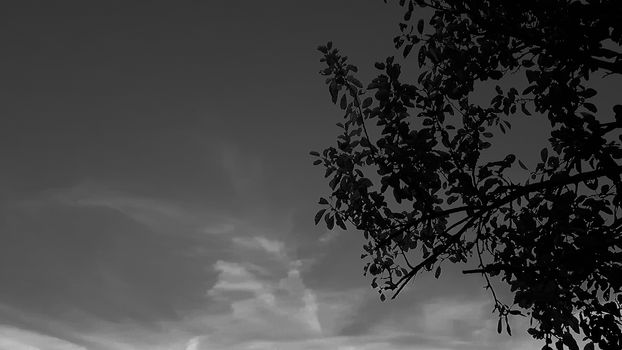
x=156, y=190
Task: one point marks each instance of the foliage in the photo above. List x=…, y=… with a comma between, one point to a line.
x=409, y=169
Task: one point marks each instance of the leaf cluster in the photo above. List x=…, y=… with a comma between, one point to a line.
x=421, y=192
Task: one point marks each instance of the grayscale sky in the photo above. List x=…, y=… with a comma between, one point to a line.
x=156, y=190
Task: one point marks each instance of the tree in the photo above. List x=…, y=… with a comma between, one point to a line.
x=409, y=169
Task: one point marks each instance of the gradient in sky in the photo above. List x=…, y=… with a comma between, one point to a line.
x=156, y=190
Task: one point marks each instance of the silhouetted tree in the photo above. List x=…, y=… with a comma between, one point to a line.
x=409, y=170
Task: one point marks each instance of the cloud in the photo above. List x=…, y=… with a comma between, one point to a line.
x=262, y=308
x=12, y=338
x=453, y=317
x=234, y=277
x=270, y=246
x=330, y=235
x=161, y=215
x=245, y=290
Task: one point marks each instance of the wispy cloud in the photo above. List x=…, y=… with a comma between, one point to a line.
x=12, y=338
x=161, y=215
x=270, y=246
x=262, y=303
x=248, y=289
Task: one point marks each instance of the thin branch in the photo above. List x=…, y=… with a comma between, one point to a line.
x=432, y=258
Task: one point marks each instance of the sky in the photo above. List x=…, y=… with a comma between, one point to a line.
x=156, y=189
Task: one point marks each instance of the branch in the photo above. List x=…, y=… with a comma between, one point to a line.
x=432, y=258
x=486, y=269
x=614, y=67
x=551, y=183
x=435, y=215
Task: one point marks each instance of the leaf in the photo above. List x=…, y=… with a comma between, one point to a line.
x=367, y=102
x=420, y=26
x=544, y=154
x=330, y=221
x=421, y=56
x=317, y=162
x=407, y=50
x=340, y=222
x=589, y=93
x=355, y=81
x=527, y=63
x=589, y=346
x=507, y=327
x=319, y=215
x=570, y=342
x=499, y=326
x=522, y=165
x=524, y=109
x=409, y=12
x=437, y=273
x=323, y=200
x=590, y=107
x=495, y=74
x=382, y=297
x=532, y=75
x=333, y=88
x=314, y=153
x=344, y=102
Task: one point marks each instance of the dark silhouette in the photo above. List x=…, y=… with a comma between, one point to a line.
x=408, y=169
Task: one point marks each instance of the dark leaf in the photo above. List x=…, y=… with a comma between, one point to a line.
x=421, y=56
x=524, y=109
x=407, y=49
x=570, y=342
x=330, y=221
x=355, y=81
x=590, y=107
x=544, y=154
x=340, y=222
x=333, y=88
x=319, y=215
x=589, y=93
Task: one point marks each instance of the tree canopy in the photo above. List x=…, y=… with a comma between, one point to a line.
x=415, y=169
